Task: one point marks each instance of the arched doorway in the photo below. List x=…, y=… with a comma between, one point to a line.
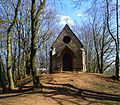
x=67, y=62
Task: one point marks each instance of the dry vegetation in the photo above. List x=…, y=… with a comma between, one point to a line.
x=68, y=89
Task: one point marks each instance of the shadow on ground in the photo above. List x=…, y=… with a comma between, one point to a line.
x=65, y=92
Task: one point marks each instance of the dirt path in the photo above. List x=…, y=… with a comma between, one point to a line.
x=51, y=95
x=59, y=90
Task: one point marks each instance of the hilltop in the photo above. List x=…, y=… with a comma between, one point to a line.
x=68, y=89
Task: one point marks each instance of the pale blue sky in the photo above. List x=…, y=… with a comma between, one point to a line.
x=70, y=14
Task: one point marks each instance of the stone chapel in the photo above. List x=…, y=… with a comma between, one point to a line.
x=67, y=53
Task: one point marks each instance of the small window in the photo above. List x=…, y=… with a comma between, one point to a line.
x=66, y=39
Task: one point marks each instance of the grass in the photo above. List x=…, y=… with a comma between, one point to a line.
x=109, y=87
x=110, y=103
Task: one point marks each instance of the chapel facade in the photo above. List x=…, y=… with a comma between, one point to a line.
x=67, y=53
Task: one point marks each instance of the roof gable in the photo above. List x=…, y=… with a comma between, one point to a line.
x=68, y=29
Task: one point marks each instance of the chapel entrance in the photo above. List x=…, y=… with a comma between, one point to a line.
x=67, y=62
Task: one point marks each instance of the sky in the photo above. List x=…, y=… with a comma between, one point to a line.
x=70, y=14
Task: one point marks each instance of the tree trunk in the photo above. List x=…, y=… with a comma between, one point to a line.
x=116, y=39
x=117, y=65
x=96, y=49
x=3, y=79
x=19, y=69
x=33, y=43
x=9, y=70
x=14, y=64
x=117, y=42
x=34, y=21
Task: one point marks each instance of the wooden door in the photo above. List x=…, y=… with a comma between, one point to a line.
x=67, y=62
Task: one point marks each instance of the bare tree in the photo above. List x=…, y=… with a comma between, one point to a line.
x=84, y=33
x=102, y=47
x=47, y=30
x=108, y=11
x=9, y=71
x=115, y=37
x=34, y=24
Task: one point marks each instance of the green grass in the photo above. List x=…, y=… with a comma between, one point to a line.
x=109, y=87
x=110, y=102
